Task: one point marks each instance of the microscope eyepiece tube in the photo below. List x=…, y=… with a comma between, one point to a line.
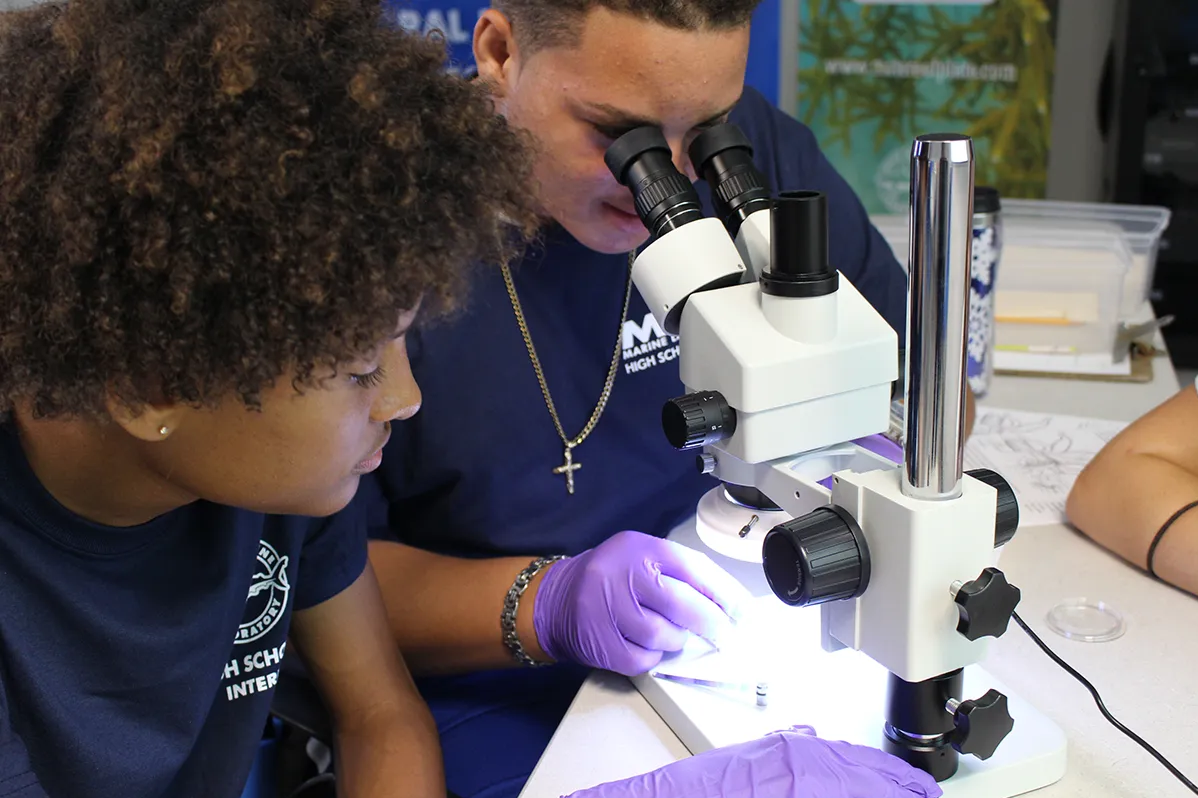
x=799, y=247
x=665, y=198
x=941, y=218
x=723, y=156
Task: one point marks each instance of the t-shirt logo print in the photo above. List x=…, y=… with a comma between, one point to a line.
x=646, y=345
x=269, y=591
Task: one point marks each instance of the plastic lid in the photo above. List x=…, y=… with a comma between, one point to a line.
x=1086, y=620
x=986, y=200
x=1138, y=220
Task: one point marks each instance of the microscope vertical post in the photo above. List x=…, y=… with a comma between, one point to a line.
x=937, y=314
x=918, y=727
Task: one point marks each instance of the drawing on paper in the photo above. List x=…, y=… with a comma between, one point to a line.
x=1039, y=455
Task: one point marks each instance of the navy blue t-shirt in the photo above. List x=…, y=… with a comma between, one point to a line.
x=472, y=473
x=141, y=661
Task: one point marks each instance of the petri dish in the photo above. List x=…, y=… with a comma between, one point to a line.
x=1087, y=620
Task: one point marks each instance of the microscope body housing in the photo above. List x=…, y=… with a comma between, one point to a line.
x=793, y=397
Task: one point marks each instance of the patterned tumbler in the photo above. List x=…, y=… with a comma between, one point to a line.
x=987, y=251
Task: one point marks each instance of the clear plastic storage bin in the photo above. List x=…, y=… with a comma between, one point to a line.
x=1140, y=225
x=1057, y=292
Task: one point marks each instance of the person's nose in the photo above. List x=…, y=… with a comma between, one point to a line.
x=682, y=161
x=399, y=398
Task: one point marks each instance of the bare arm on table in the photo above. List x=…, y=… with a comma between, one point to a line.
x=1140, y=479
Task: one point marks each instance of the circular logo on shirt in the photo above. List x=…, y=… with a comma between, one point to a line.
x=892, y=180
x=267, y=601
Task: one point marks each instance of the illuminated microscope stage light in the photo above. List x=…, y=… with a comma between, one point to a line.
x=840, y=695
x=720, y=520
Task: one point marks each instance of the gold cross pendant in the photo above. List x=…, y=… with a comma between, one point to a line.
x=568, y=468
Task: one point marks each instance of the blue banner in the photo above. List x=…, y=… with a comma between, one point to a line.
x=765, y=69
x=455, y=22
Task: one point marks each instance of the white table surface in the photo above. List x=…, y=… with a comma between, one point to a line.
x=1147, y=678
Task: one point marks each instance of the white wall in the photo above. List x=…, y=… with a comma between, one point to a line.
x=1075, y=165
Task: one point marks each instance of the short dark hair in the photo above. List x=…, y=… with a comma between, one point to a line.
x=549, y=23
x=200, y=196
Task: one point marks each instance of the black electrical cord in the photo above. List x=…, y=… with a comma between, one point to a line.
x=1102, y=707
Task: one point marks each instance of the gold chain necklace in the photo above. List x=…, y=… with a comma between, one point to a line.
x=570, y=466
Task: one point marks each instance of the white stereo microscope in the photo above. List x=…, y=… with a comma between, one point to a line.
x=786, y=365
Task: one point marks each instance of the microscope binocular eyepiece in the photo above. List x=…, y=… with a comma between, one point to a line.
x=665, y=199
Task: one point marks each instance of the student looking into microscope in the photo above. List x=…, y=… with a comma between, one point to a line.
x=541, y=431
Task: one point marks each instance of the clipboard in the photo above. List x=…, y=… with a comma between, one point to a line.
x=1141, y=356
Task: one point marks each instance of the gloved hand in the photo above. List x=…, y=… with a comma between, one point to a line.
x=786, y=764
x=625, y=603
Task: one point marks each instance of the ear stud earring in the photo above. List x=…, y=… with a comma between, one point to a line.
x=163, y=429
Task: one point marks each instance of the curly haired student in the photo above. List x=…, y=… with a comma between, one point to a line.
x=218, y=218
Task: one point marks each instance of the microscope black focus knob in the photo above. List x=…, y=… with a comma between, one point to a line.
x=986, y=605
x=819, y=557
x=1006, y=520
x=697, y=419
x=981, y=724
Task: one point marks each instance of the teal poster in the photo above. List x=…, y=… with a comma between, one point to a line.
x=873, y=74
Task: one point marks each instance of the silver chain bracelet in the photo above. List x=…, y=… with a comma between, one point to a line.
x=511, y=602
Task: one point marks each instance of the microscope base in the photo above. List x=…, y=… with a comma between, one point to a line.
x=842, y=695
x=1031, y=757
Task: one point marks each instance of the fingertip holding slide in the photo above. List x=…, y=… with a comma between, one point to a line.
x=682, y=605
x=645, y=661
x=738, y=610
x=704, y=575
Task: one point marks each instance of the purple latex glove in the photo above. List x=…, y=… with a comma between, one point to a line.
x=625, y=603
x=786, y=764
